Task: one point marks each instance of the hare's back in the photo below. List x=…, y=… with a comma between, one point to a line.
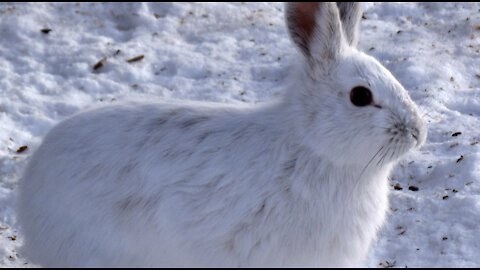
x=100, y=169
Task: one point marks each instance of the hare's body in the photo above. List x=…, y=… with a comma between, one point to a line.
x=299, y=182
x=136, y=211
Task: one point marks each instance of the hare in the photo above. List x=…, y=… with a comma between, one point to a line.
x=298, y=182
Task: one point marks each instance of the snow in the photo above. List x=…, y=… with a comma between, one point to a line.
x=240, y=53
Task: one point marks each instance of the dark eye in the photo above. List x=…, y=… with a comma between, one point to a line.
x=361, y=96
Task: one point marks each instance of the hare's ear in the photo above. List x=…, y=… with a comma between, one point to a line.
x=350, y=15
x=316, y=29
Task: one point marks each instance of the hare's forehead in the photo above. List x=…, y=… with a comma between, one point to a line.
x=364, y=67
x=361, y=69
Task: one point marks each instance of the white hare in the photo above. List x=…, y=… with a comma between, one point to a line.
x=298, y=182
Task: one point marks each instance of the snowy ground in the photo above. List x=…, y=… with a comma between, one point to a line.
x=236, y=53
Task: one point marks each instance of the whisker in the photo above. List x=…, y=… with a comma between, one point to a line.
x=380, y=161
x=382, y=155
x=394, y=150
x=381, y=127
x=368, y=164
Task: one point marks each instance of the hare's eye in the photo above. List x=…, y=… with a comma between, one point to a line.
x=361, y=96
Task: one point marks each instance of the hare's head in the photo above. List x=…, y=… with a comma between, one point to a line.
x=351, y=108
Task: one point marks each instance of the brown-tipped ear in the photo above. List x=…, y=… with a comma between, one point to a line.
x=350, y=14
x=300, y=17
x=315, y=28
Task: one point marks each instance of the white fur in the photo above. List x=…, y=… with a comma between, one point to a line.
x=298, y=182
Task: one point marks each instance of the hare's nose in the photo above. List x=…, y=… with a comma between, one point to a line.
x=415, y=133
x=418, y=132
